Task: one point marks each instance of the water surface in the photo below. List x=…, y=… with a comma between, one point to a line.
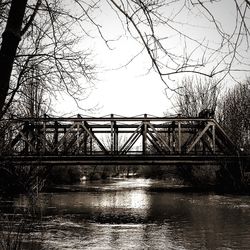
x=125, y=214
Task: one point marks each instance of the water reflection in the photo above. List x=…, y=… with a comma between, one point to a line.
x=126, y=215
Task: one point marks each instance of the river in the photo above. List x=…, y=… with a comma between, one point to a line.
x=129, y=214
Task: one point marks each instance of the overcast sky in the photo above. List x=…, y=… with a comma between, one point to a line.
x=130, y=90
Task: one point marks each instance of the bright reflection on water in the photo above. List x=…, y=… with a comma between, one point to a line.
x=125, y=214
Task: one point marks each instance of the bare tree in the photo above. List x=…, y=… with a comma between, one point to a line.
x=10, y=41
x=172, y=34
x=197, y=94
x=48, y=37
x=167, y=31
x=235, y=114
x=32, y=99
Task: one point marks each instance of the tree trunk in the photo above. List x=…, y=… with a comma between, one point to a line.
x=10, y=40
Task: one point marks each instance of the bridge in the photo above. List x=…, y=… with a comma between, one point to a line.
x=116, y=140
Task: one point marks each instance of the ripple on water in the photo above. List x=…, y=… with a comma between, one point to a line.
x=111, y=236
x=126, y=215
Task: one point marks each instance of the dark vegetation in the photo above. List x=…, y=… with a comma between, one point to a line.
x=231, y=109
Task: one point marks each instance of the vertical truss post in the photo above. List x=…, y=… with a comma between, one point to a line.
x=169, y=136
x=85, y=142
x=44, y=133
x=64, y=140
x=213, y=136
x=90, y=142
x=179, y=137
x=112, y=139
x=173, y=135
x=78, y=136
x=115, y=138
x=144, y=136
x=56, y=136
x=195, y=147
x=26, y=145
x=38, y=138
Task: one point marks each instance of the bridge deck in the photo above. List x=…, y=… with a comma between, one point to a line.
x=125, y=159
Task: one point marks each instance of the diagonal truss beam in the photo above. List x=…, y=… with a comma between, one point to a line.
x=225, y=139
x=23, y=137
x=158, y=137
x=198, y=137
x=86, y=127
x=46, y=143
x=18, y=136
x=75, y=136
x=153, y=142
x=61, y=141
x=131, y=140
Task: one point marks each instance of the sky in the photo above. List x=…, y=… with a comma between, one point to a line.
x=130, y=90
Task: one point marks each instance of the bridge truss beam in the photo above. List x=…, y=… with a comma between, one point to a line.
x=115, y=137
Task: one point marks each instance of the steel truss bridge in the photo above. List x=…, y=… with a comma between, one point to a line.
x=115, y=140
